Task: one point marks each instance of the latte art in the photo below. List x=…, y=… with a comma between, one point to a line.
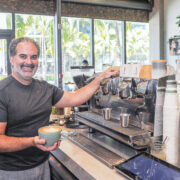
x=50, y=129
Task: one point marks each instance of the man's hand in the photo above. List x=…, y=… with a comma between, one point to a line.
x=85, y=93
x=109, y=73
x=39, y=143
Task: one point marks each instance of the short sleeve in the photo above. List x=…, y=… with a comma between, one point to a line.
x=3, y=111
x=57, y=95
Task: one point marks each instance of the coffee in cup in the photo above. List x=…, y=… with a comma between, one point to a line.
x=51, y=134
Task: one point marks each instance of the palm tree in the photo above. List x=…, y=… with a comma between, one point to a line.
x=107, y=42
x=39, y=28
x=75, y=44
x=137, y=43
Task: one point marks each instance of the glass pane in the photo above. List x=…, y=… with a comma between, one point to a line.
x=76, y=33
x=41, y=29
x=108, y=44
x=137, y=42
x=3, y=58
x=5, y=21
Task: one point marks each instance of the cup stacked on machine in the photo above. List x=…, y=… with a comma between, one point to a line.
x=159, y=68
x=178, y=92
x=158, y=119
x=171, y=122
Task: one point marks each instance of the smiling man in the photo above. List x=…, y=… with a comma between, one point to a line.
x=25, y=106
x=24, y=60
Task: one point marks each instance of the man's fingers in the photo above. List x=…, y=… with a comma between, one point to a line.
x=39, y=141
x=59, y=142
x=52, y=148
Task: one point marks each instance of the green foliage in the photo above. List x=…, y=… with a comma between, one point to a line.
x=20, y=26
x=8, y=21
x=54, y=110
x=75, y=44
x=2, y=77
x=137, y=43
x=36, y=26
x=108, y=42
x=40, y=28
x=178, y=22
x=76, y=41
x=49, y=78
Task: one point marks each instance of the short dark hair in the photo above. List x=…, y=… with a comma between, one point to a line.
x=85, y=61
x=15, y=42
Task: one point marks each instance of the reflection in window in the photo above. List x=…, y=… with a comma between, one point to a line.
x=137, y=42
x=76, y=33
x=3, y=60
x=108, y=44
x=5, y=21
x=41, y=29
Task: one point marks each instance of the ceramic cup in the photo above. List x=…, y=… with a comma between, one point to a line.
x=51, y=134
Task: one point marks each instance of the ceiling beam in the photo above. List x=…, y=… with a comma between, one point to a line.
x=115, y=3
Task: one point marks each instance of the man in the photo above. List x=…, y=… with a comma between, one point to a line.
x=25, y=105
x=85, y=62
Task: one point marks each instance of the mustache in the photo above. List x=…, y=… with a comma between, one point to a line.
x=28, y=65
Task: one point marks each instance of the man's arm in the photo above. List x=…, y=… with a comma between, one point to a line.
x=82, y=95
x=10, y=144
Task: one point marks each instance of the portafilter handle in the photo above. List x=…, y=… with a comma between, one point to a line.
x=124, y=93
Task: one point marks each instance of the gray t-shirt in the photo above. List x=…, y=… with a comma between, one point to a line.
x=25, y=108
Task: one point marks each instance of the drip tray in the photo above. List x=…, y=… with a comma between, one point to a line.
x=105, y=156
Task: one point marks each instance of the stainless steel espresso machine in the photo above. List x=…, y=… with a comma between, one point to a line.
x=107, y=140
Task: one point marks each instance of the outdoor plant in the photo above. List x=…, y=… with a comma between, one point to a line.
x=178, y=22
x=175, y=36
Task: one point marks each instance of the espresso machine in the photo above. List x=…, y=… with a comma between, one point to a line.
x=107, y=140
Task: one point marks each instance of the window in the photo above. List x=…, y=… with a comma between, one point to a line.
x=76, y=45
x=137, y=42
x=5, y=21
x=77, y=37
x=3, y=58
x=41, y=29
x=108, y=44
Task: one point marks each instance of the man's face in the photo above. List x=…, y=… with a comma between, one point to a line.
x=85, y=64
x=25, y=62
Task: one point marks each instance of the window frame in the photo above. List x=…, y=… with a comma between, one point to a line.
x=10, y=34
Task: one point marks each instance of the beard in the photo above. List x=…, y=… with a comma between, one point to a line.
x=25, y=72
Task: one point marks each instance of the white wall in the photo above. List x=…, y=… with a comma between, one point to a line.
x=163, y=26
x=171, y=11
x=155, y=31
